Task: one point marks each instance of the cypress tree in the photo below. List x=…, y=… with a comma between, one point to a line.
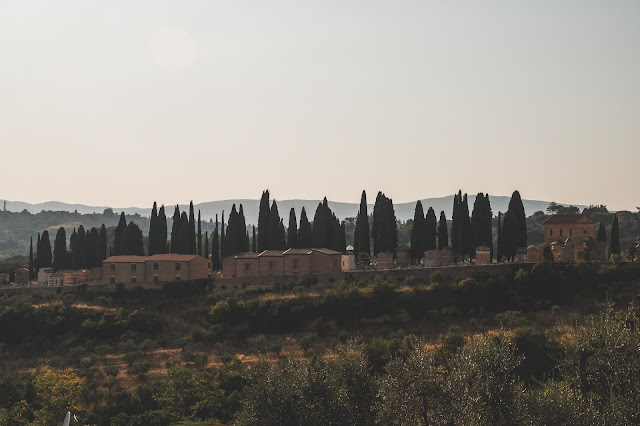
x=215, y=248
x=263, y=222
x=253, y=240
x=44, y=251
x=443, y=232
x=343, y=237
x=418, y=233
x=361, y=235
x=191, y=247
x=75, y=250
x=175, y=231
x=431, y=230
x=481, y=222
x=615, y=236
x=153, y=230
x=92, y=248
x=282, y=239
x=132, y=240
x=60, y=257
x=321, y=227
x=31, y=267
x=199, y=235
x=515, y=205
x=292, y=235
x=185, y=235
x=305, y=232
x=509, y=235
x=385, y=227
x=206, y=244
x=233, y=239
x=244, y=246
x=101, y=246
x=38, y=249
x=466, y=231
x=117, y=240
x=162, y=232
x=273, y=230
x=455, y=224
x=222, y=235
x=82, y=241
x=499, y=251
x=602, y=233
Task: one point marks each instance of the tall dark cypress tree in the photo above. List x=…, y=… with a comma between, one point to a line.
x=321, y=227
x=273, y=229
x=162, y=232
x=455, y=225
x=234, y=237
x=282, y=239
x=199, y=235
x=175, y=231
x=192, y=247
x=292, y=234
x=82, y=240
x=215, y=248
x=132, y=240
x=305, y=232
x=385, y=228
x=602, y=233
x=222, y=237
x=154, y=231
x=60, y=256
x=431, y=230
x=101, y=247
x=44, y=251
x=443, y=232
x=206, y=244
x=514, y=227
x=75, y=250
x=32, y=271
x=244, y=244
x=263, y=222
x=92, y=248
x=481, y=222
x=418, y=233
x=499, y=251
x=35, y=261
x=466, y=231
x=614, y=246
x=343, y=238
x=361, y=235
x=117, y=240
x=253, y=241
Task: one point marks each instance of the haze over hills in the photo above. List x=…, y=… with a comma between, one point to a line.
x=404, y=211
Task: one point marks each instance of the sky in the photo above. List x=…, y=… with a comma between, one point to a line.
x=122, y=103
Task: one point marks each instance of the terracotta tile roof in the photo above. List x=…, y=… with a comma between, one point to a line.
x=298, y=251
x=125, y=259
x=272, y=253
x=569, y=218
x=173, y=257
x=326, y=251
x=247, y=255
x=483, y=248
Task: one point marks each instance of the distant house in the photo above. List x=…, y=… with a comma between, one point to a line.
x=21, y=276
x=282, y=262
x=626, y=217
x=156, y=268
x=566, y=233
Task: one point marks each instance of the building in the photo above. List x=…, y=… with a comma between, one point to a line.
x=535, y=254
x=626, y=217
x=241, y=265
x=271, y=262
x=71, y=277
x=282, y=262
x=348, y=262
x=566, y=233
x=403, y=255
x=43, y=275
x=483, y=255
x=21, y=276
x=156, y=268
x=385, y=260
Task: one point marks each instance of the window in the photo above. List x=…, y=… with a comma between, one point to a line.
x=295, y=263
x=133, y=267
x=133, y=279
x=271, y=265
x=585, y=232
x=112, y=267
x=155, y=266
x=247, y=266
x=177, y=266
x=112, y=279
x=561, y=232
x=571, y=232
x=551, y=232
x=155, y=279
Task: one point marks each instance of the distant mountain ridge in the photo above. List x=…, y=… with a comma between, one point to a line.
x=404, y=211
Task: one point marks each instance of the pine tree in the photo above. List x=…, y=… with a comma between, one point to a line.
x=253, y=240
x=153, y=230
x=60, y=256
x=305, y=232
x=191, y=247
x=443, y=232
x=175, y=231
x=273, y=229
x=31, y=267
x=418, y=233
x=361, y=235
x=614, y=246
x=292, y=234
x=499, y=251
x=263, y=222
x=101, y=247
x=132, y=241
x=431, y=230
x=162, y=232
x=206, y=244
x=44, y=251
x=215, y=248
x=199, y=235
x=602, y=233
x=117, y=241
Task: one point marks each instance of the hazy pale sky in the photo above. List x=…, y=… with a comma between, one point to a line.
x=125, y=102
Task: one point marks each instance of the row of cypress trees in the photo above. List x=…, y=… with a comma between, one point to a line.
x=87, y=250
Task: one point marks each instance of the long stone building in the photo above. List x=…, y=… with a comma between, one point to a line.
x=156, y=268
x=283, y=262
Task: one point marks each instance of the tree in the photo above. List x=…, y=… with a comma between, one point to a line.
x=76, y=250
x=481, y=221
x=431, y=230
x=553, y=207
x=132, y=241
x=175, y=231
x=91, y=248
x=587, y=248
x=615, y=237
x=153, y=230
x=547, y=254
x=44, y=251
x=466, y=231
x=253, y=241
x=101, y=247
x=602, y=233
x=35, y=261
x=222, y=236
x=215, y=247
x=499, y=250
x=455, y=224
x=243, y=226
x=60, y=257
x=32, y=272
x=443, y=232
x=199, y=235
x=418, y=233
x=206, y=244
x=161, y=241
x=514, y=227
x=385, y=227
x=56, y=394
x=305, y=232
x=361, y=236
x=191, y=238
x=117, y=241
x=275, y=240
x=263, y=222
x=292, y=233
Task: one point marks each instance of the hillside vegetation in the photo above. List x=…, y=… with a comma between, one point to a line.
x=551, y=345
